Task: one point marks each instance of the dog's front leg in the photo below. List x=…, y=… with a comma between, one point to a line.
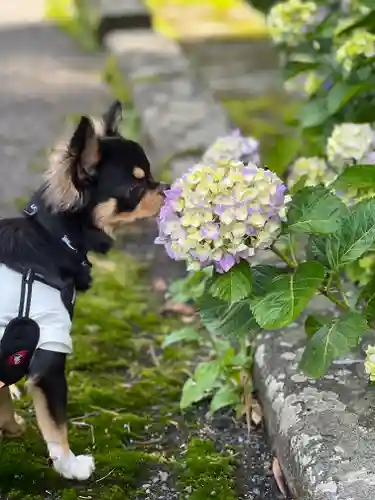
x=48, y=387
x=11, y=424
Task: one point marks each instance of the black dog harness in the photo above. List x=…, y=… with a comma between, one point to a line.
x=22, y=334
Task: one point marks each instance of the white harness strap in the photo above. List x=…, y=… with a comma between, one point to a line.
x=40, y=302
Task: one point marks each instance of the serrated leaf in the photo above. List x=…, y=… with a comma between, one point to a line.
x=354, y=237
x=300, y=184
x=284, y=150
x=342, y=92
x=315, y=321
x=234, y=285
x=188, y=334
x=367, y=298
x=206, y=374
x=332, y=341
x=314, y=113
x=263, y=275
x=225, y=396
x=191, y=393
x=315, y=210
x=287, y=296
x=228, y=320
x=357, y=177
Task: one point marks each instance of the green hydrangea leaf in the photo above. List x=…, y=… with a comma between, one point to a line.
x=234, y=285
x=331, y=341
x=354, y=237
x=315, y=210
x=286, y=296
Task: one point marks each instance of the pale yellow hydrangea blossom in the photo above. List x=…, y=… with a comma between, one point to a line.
x=288, y=22
x=351, y=143
x=360, y=43
x=221, y=213
x=314, y=168
x=370, y=362
x=233, y=146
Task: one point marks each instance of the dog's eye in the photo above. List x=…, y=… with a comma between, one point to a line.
x=139, y=173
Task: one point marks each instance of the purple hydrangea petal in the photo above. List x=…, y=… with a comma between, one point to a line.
x=227, y=262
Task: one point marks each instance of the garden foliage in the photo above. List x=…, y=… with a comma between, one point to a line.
x=318, y=220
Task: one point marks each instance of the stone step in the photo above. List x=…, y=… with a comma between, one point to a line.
x=179, y=116
x=125, y=14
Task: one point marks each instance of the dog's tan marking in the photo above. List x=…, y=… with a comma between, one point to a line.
x=50, y=431
x=107, y=219
x=11, y=424
x=139, y=173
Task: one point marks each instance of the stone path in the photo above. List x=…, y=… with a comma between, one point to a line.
x=43, y=79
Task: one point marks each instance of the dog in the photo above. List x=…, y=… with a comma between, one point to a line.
x=93, y=186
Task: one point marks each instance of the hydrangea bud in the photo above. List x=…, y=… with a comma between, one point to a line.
x=360, y=43
x=315, y=169
x=233, y=147
x=288, y=22
x=370, y=362
x=351, y=143
x=219, y=213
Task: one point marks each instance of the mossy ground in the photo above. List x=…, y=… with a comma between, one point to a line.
x=123, y=404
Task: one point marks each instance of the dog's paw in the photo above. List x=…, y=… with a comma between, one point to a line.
x=15, y=428
x=78, y=467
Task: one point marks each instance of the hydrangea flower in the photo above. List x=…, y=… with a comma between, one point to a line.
x=233, y=147
x=360, y=43
x=315, y=168
x=288, y=22
x=351, y=143
x=370, y=362
x=221, y=213
x=353, y=7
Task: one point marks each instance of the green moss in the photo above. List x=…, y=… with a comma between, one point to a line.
x=123, y=398
x=206, y=473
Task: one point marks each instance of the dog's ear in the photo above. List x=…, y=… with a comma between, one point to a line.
x=71, y=167
x=112, y=119
x=83, y=150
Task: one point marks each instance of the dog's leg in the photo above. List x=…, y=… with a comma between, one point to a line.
x=48, y=387
x=11, y=424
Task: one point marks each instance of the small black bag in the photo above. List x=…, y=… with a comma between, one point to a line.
x=20, y=339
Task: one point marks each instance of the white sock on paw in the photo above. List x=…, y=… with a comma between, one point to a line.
x=71, y=466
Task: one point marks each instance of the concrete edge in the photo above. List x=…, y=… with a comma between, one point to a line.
x=321, y=430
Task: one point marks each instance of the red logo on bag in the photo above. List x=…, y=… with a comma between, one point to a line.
x=18, y=357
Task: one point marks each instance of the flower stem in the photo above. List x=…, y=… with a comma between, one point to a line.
x=340, y=288
x=291, y=248
x=283, y=257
